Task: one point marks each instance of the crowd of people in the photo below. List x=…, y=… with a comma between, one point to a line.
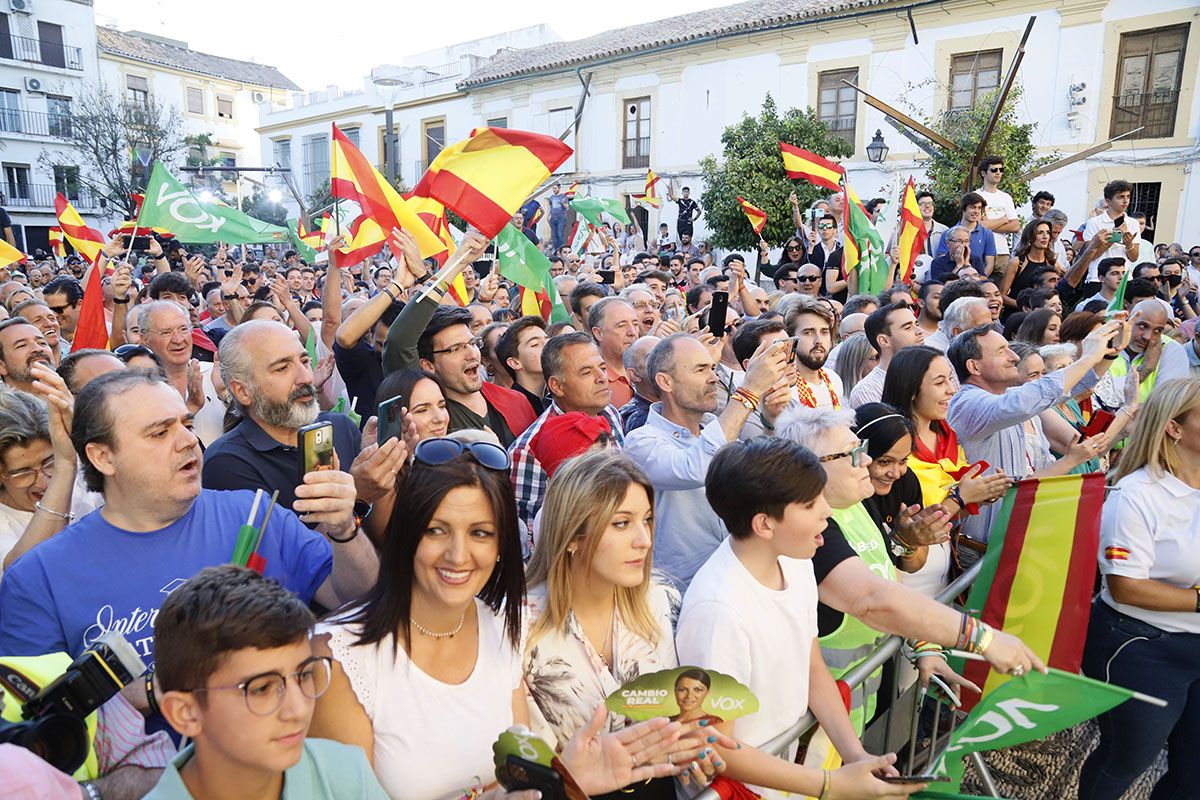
x=518, y=517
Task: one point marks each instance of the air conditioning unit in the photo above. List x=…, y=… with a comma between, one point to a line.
x=21, y=6
x=259, y=97
x=33, y=85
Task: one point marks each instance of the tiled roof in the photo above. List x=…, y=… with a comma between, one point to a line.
x=182, y=58
x=744, y=17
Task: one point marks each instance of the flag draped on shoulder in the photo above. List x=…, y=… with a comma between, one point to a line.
x=524, y=264
x=170, y=205
x=487, y=177
x=353, y=178
x=806, y=166
x=757, y=217
x=912, y=231
x=88, y=242
x=10, y=255
x=592, y=209
x=863, y=246
x=1037, y=574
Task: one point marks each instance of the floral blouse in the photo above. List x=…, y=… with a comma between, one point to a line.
x=566, y=679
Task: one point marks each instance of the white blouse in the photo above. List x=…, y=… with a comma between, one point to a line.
x=433, y=740
x=565, y=677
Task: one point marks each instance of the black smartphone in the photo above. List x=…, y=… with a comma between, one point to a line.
x=140, y=243
x=916, y=779
x=1119, y=221
x=483, y=268
x=228, y=273
x=795, y=345
x=717, y=313
x=315, y=443
x=520, y=773
x=607, y=276
x=390, y=420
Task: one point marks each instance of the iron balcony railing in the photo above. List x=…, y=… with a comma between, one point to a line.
x=1153, y=112
x=36, y=123
x=41, y=195
x=40, y=51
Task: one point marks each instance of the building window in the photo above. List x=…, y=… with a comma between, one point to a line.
x=498, y=122
x=316, y=161
x=16, y=184
x=10, y=111
x=195, y=100
x=635, y=147
x=225, y=108
x=1144, y=198
x=66, y=181
x=433, y=140
x=837, y=104
x=58, y=113
x=227, y=159
x=1149, y=71
x=137, y=90
x=972, y=76
x=353, y=135
x=281, y=153
x=50, y=45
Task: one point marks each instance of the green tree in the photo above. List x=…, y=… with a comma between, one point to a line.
x=321, y=196
x=946, y=172
x=260, y=206
x=752, y=168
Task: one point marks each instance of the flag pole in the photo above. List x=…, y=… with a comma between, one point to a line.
x=1145, y=698
x=454, y=265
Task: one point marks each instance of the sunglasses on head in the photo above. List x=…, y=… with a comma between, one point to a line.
x=442, y=450
x=128, y=351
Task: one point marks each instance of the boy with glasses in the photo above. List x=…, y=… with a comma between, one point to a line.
x=237, y=674
x=1000, y=215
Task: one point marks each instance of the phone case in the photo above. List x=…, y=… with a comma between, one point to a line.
x=316, y=447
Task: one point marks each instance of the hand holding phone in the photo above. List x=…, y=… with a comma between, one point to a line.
x=717, y=313
x=315, y=443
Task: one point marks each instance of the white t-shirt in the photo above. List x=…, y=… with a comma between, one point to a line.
x=1103, y=222
x=731, y=623
x=999, y=206
x=1150, y=528
x=432, y=740
x=13, y=522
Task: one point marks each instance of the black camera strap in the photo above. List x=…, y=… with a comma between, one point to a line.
x=17, y=683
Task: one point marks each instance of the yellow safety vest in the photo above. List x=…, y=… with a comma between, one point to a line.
x=40, y=671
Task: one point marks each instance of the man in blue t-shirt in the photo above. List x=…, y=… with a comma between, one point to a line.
x=558, y=216
x=112, y=569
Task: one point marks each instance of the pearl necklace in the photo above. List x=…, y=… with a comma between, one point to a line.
x=448, y=634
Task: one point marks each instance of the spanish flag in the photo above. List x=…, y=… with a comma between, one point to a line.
x=10, y=255
x=433, y=214
x=486, y=177
x=1036, y=580
x=806, y=166
x=912, y=231
x=651, y=196
x=757, y=217
x=353, y=178
x=364, y=238
x=311, y=239
x=57, y=245
x=92, y=328
x=571, y=190
x=88, y=242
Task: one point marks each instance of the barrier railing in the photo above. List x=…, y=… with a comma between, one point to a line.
x=884, y=724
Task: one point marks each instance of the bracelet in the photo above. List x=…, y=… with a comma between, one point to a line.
x=121, y=300
x=748, y=399
x=349, y=538
x=151, y=700
x=388, y=291
x=91, y=790
x=1113, y=357
x=749, y=395
x=826, y=779
x=69, y=517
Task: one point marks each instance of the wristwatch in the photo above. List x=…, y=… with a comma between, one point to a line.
x=91, y=790
x=901, y=550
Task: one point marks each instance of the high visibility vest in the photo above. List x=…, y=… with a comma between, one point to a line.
x=853, y=641
x=38, y=672
x=1120, y=368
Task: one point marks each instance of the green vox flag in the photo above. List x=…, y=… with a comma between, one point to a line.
x=306, y=252
x=1021, y=710
x=525, y=265
x=592, y=207
x=170, y=205
x=1118, y=301
x=863, y=248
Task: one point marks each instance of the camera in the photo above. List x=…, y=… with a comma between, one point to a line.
x=54, y=725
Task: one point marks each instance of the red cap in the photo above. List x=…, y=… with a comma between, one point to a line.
x=566, y=436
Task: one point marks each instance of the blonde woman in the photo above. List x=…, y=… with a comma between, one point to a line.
x=1144, y=632
x=596, y=617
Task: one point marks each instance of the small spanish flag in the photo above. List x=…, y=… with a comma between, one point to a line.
x=1116, y=554
x=806, y=166
x=88, y=242
x=651, y=197
x=9, y=254
x=757, y=217
x=57, y=245
x=912, y=231
x=571, y=190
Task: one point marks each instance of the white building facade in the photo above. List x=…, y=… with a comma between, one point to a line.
x=47, y=55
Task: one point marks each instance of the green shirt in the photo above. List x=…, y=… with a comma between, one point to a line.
x=326, y=771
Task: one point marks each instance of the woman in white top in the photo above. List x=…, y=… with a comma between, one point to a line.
x=597, y=620
x=1144, y=632
x=428, y=666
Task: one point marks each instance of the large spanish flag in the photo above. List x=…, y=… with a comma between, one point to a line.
x=433, y=214
x=806, y=166
x=1037, y=576
x=353, y=178
x=757, y=217
x=88, y=242
x=912, y=231
x=486, y=177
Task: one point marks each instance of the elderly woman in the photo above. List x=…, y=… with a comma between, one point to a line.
x=1144, y=632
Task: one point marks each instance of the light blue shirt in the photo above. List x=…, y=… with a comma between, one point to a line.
x=686, y=529
x=990, y=427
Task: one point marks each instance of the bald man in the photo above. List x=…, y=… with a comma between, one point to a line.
x=1154, y=356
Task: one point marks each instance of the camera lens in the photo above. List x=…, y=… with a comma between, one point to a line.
x=58, y=739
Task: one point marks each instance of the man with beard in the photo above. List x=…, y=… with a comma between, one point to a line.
x=269, y=377
x=21, y=346
x=111, y=570
x=931, y=313
x=811, y=323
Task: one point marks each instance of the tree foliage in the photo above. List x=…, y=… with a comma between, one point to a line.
x=752, y=168
x=107, y=134
x=946, y=172
x=260, y=206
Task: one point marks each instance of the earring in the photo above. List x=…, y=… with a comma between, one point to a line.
x=497, y=559
x=571, y=552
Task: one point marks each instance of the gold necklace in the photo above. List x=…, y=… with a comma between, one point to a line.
x=448, y=634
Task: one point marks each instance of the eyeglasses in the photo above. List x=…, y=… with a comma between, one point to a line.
x=264, y=693
x=24, y=478
x=855, y=455
x=442, y=449
x=182, y=330
x=455, y=349
x=995, y=169
x=808, y=278
x=647, y=306
x=126, y=352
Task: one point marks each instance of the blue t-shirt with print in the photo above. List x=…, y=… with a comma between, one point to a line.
x=94, y=577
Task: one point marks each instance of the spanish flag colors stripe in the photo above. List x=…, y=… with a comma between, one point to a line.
x=433, y=214
x=57, y=244
x=806, y=166
x=651, y=196
x=88, y=242
x=912, y=231
x=10, y=255
x=757, y=217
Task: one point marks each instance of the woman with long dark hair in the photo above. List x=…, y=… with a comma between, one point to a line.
x=1040, y=326
x=1035, y=249
x=794, y=254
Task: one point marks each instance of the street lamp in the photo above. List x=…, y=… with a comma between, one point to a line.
x=275, y=196
x=389, y=78
x=877, y=150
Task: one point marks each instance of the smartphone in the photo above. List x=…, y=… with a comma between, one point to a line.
x=916, y=779
x=228, y=273
x=520, y=773
x=140, y=243
x=717, y=313
x=315, y=443
x=483, y=268
x=1099, y=423
x=795, y=345
x=607, y=276
x=391, y=420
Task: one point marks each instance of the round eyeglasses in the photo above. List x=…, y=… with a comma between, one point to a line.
x=264, y=693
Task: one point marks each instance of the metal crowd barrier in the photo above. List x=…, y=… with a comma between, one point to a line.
x=898, y=722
